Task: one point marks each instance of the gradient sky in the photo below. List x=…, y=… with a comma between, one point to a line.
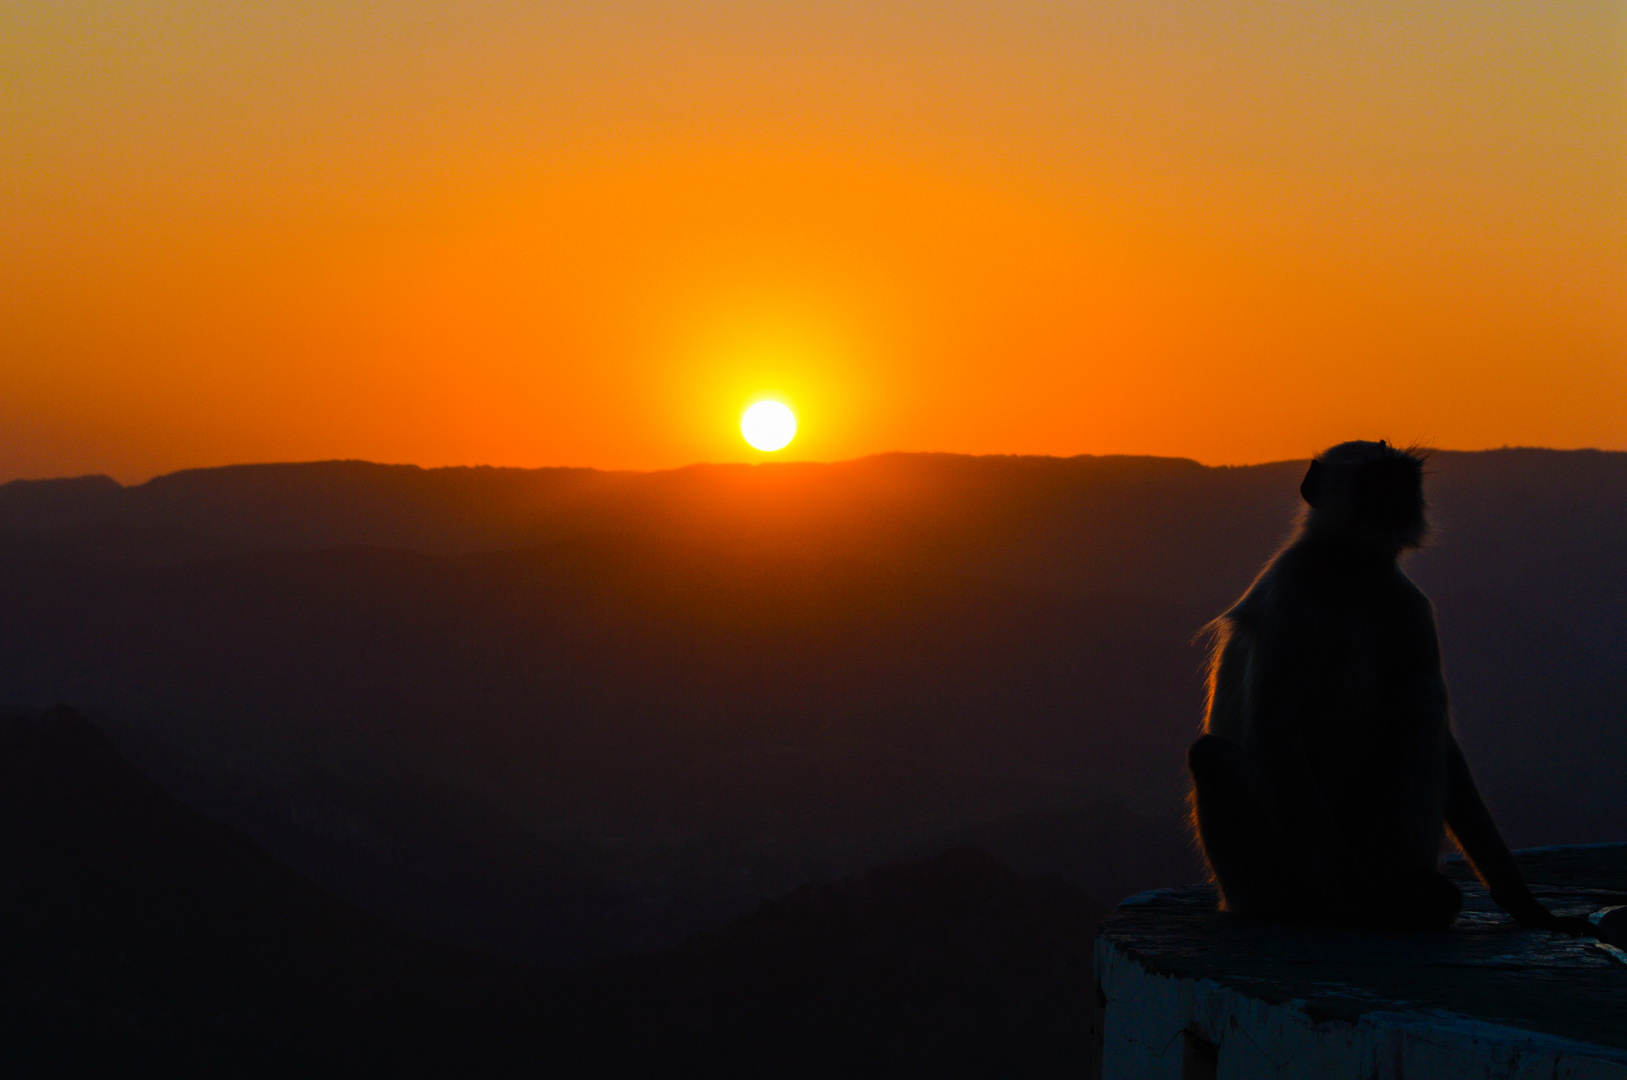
x=588, y=233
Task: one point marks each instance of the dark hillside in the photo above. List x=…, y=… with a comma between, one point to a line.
x=949, y=967
x=142, y=940
x=639, y=742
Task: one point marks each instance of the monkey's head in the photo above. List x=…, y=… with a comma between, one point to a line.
x=1367, y=493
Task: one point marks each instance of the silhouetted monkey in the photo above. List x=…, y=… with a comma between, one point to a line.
x=1328, y=771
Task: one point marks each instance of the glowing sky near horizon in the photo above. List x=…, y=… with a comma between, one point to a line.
x=588, y=233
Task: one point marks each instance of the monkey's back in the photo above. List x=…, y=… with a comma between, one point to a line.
x=1348, y=659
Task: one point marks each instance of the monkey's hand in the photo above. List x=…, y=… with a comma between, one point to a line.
x=1574, y=925
x=1533, y=916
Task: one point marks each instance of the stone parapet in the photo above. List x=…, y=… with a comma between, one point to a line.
x=1188, y=992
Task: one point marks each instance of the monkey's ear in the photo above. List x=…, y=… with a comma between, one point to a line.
x=1308, y=487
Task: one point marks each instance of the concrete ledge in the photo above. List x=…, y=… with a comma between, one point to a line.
x=1187, y=992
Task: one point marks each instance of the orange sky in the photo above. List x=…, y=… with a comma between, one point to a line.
x=589, y=232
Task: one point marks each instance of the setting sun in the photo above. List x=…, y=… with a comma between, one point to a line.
x=768, y=425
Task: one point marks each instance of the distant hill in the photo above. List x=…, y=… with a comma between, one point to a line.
x=142, y=940
x=564, y=714
x=1095, y=523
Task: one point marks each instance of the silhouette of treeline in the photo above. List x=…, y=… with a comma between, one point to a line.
x=144, y=940
x=561, y=714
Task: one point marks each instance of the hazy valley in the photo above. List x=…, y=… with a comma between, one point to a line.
x=562, y=715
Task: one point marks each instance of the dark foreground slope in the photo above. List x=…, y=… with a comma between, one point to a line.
x=140, y=939
x=563, y=714
x=947, y=967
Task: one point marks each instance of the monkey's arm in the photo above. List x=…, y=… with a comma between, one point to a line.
x=1475, y=832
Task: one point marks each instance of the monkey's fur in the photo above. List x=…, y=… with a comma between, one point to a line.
x=1327, y=773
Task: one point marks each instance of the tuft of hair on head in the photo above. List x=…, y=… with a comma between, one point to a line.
x=1367, y=493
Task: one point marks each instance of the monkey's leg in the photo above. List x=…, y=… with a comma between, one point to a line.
x=1420, y=900
x=1236, y=816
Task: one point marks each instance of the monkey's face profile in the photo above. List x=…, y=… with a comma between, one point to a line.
x=1368, y=493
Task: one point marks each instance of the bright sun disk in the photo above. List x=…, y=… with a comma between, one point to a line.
x=768, y=425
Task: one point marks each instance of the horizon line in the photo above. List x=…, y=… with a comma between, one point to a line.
x=782, y=462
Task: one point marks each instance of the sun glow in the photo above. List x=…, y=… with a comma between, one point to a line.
x=768, y=425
